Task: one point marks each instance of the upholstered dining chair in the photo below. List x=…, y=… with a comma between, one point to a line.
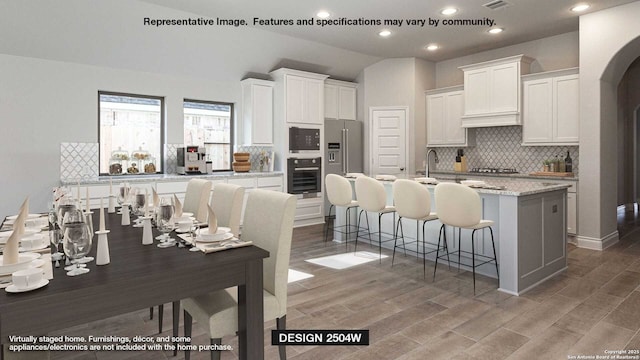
x=226, y=202
x=196, y=198
x=268, y=223
x=195, y=201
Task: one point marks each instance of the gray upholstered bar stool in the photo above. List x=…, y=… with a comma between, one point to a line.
x=412, y=201
x=460, y=206
x=372, y=198
x=339, y=194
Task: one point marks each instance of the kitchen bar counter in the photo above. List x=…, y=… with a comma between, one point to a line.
x=530, y=231
x=102, y=180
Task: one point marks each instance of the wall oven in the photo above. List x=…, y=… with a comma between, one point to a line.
x=304, y=176
x=303, y=139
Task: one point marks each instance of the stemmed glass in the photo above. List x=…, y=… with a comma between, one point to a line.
x=165, y=223
x=194, y=234
x=123, y=196
x=54, y=234
x=77, y=241
x=138, y=201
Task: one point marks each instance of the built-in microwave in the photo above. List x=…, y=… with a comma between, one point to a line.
x=303, y=139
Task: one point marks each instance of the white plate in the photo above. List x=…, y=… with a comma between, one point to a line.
x=182, y=231
x=210, y=238
x=4, y=235
x=221, y=230
x=29, y=216
x=14, y=289
x=41, y=247
x=476, y=183
x=24, y=259
x=426, y=180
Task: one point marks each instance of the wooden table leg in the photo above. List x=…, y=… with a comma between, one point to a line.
x=250, y=313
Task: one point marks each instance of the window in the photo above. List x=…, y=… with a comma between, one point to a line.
x=128, y=123
x=210, y=124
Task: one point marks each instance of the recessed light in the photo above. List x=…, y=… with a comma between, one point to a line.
x=495, y=30
x=432, y=47
x=580, y=7
x=384, y=33
x=323, y=14
x=448, y=11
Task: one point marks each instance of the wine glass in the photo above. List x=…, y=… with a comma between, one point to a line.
x=65, y=206
x=138, y=203
x=194, y=235
x=166, y=224
x=77, y=242
x=123, y=195
x=54, y=234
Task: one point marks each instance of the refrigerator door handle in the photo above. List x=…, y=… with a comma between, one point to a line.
x=344, y=151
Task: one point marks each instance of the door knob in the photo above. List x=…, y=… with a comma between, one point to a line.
x=401, y=169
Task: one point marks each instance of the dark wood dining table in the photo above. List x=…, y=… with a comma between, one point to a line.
x=138, y=277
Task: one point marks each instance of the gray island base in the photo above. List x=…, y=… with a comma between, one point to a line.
x=530, y=232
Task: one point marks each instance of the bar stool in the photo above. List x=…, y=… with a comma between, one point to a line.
x=372, y=198
x=413, y=201
x=339, y=193
x=460, y=206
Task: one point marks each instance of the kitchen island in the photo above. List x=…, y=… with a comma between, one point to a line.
x=530, y=231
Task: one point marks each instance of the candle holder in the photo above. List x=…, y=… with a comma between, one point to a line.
x=126, y=220
x=147, y=234
x=102, y=253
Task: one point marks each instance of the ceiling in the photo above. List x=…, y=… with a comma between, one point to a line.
x=522, y=20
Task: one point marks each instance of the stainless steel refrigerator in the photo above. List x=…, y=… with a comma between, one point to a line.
x=343, y=149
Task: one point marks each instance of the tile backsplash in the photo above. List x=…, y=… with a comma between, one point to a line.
x=78, y=161
x=500, y=147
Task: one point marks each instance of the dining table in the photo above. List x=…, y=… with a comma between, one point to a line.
x=138, y=277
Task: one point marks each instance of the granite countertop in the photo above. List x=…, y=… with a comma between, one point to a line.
x=173, y=177
x=507, y=187
x=437, y=173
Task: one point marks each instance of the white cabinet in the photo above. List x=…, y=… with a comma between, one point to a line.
x=551, y=105
x=444, y=118
x=303, y=96
x=256, y=124
x=492, y=92
x=339, y=100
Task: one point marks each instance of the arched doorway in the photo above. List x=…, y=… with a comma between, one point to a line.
x=605, y=54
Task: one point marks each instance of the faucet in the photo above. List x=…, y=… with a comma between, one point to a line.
x=435, y=154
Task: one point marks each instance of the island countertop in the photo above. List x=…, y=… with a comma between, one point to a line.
x=171, y=177
x=505, y=186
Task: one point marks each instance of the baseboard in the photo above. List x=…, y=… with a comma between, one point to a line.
x=532, y=286
x=596, y=243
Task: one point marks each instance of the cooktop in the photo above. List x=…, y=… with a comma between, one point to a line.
x=494, y=170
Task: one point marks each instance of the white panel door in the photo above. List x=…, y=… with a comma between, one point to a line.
x=295, y=99
x=262, y=105
x=331, y=101
x=313, y=102
x=566, y=105
x=475, y=87
x=347, y=103
x=454, y=105
x=504, y=88
x=436, y=119
x=388, y=145
x=537, y=111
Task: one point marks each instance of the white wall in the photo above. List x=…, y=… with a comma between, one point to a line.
x=55, y=56
x=399, y=82
x=609, y=42
x=550, y=53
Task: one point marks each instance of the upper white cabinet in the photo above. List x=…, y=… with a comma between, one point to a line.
x=444, y=118
x=303, y=95
x=257, y=112
x=340, y=100
x=492, y=92
x=551, y=105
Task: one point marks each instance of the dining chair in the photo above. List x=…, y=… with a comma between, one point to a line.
x=339, y=194
x=460, y=206
x=226, y=202
x=372, y=198
x=268, y=223
x=412, y=201
x=196, y=198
